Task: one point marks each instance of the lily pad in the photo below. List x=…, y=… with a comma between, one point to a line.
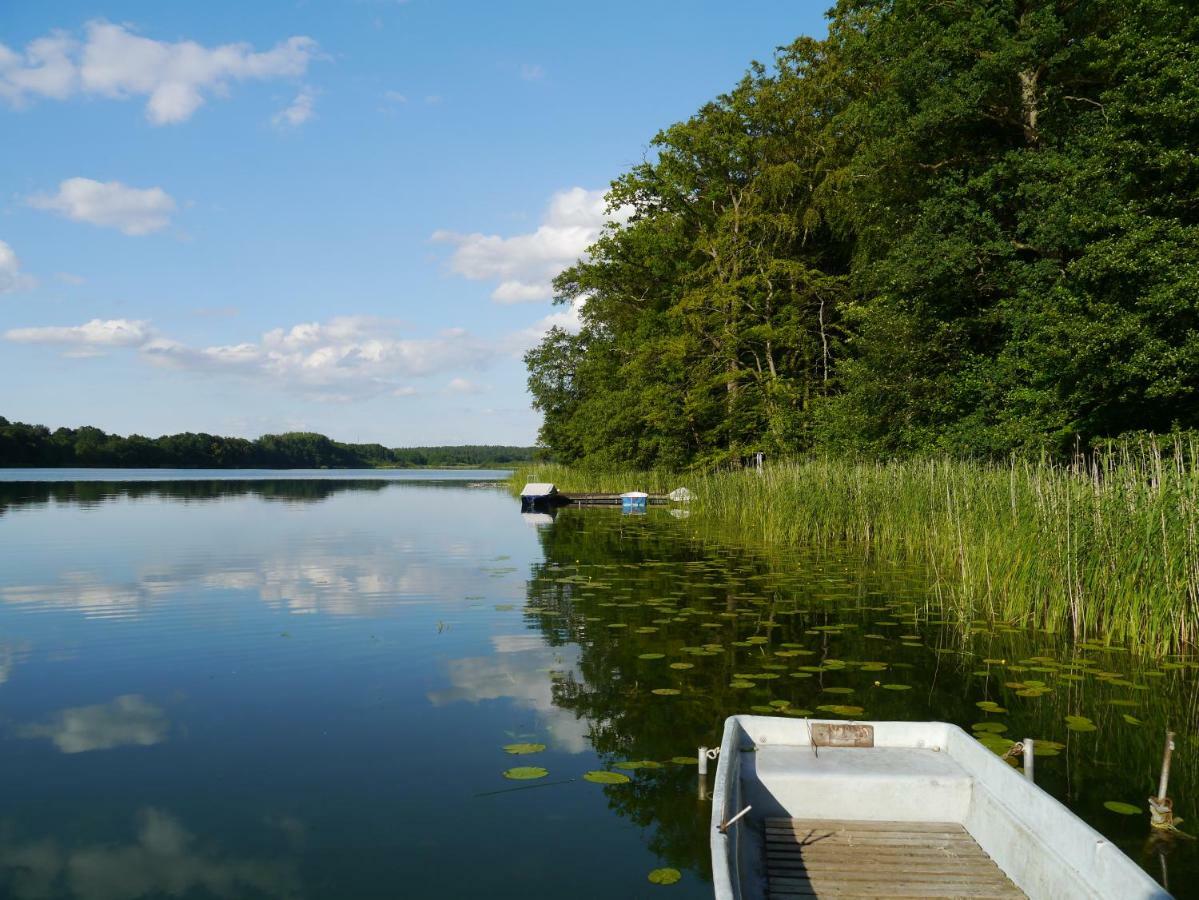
x=990, y=706
x=838, y=690
x=652, y=656
x=897, y=687
x=521, y=749
x=682, y=665
x=666, y=692
x=1124, y=809
x=665, y=876
x=992, y=727
x=525, y=773
x=1080, y=723
x=601, y=776
x=685, y=760
x=840, y=710
x=741, y=685
x=1132, y=720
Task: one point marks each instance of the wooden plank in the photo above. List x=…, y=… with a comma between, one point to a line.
x=858, y=840
x=845, y=859
x=885, y=888
x=850, y=825
x=882, y=873
x=899, y=867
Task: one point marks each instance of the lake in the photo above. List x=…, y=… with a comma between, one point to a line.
x=258, y=684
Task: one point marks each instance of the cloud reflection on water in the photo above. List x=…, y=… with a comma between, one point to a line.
x=520, y=671
x=127, y=721
x=163, y=859
x=302, y=578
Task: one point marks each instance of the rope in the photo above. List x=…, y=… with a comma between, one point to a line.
x=1161, y=816
x=1013, y=751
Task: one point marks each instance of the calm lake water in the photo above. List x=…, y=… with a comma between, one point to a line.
x=258, y=685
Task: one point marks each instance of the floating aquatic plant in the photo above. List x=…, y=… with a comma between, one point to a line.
x=602, y=776
x=525, y=773
x=1124, y=809
x=665, y=876
x=522, y=749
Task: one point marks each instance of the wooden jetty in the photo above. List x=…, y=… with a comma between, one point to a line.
x=546, y=495
x=576, y=499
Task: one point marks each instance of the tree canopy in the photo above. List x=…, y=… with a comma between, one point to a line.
x=967, y=226
x=36, y=445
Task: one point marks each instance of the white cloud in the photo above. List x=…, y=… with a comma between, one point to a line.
x=344, y=358
x=463, y=386
x=109, y=204
x=531, y=72
x=129, y=720
x=299, y=111
x=525, y=264
x=394, y=97
x=71, y=279
x=12, y=279
x=96, y=333
x=112, y=61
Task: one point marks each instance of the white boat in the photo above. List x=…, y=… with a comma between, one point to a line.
x=895, y=809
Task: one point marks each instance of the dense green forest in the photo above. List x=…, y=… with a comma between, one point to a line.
x=965, y=226
x=36, y=445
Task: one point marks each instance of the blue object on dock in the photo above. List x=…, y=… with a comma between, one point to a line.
x=634, y=501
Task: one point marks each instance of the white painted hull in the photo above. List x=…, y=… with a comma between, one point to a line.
x=915, y=772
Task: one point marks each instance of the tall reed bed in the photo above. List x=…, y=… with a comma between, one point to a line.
x=1104, y=546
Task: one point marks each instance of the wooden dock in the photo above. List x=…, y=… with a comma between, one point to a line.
x=572, y=498
x=819, y=858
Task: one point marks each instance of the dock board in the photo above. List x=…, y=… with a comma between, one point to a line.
x=579, y=499
x=822, y=858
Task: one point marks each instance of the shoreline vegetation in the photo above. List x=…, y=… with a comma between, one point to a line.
x=36, y=446
x=1103, y=547
x=946, y=260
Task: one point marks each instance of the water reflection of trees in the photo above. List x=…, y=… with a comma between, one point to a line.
x=18, y=494
x=602, y=569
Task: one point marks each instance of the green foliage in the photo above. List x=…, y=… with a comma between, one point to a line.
x=1106, y=544
x=964, y=226
x=36, y=445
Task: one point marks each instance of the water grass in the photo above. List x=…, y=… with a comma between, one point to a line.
x=1104, y=546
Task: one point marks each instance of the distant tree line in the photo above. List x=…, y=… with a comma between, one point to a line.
x=37, y=445
x=969, y=226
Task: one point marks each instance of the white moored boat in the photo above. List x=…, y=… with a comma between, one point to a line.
x=895, y=809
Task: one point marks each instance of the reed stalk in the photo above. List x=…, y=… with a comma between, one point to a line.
x=1103, y=546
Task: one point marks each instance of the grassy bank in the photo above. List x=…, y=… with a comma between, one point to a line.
x=1103, y=547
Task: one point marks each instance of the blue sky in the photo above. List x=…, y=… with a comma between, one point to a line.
x=331, y=216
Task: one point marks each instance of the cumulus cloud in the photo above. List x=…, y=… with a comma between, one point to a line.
x=109, y=204
x=299, y=111
x=344, y=358
x=97, y=333
x=531, y=72
x=114, y=62
x=525, y=264
x=129, y=720
x=11, y=277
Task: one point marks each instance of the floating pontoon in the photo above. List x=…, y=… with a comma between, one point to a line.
x=896, y=809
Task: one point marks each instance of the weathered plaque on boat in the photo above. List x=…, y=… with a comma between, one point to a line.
x=842, y=734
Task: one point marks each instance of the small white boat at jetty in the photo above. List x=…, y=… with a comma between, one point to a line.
x=895, y=809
